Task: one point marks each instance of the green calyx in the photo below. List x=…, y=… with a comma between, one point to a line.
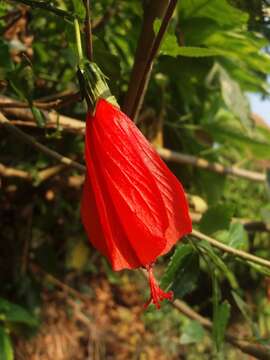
x=93, y=85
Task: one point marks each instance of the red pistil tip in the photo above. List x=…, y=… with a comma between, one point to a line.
x=157, y=295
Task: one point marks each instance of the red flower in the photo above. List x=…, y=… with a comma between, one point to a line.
x=133, y=208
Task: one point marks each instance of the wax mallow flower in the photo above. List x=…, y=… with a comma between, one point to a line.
x=133, y=208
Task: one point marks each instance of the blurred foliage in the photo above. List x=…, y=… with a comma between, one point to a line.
x=213, y=54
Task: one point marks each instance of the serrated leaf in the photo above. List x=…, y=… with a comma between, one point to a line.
x=216, y=218
x=175, y=264
x=220, y=322
x=6, y=350
x=15, y=313
x=192, y=333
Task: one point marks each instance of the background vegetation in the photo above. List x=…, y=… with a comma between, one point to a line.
x=59, y=298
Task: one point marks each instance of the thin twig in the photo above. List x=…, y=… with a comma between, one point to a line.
x=53, y=119
x=54, y=104
x=88, y=31
x=32, y=141
x=41, y=176
x=45, y=5
x=52, y=279
x=108, y=14
x=11, y=172
x=230, y=250
x=201, y=163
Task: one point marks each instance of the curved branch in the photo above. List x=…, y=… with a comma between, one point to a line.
x=32, y=141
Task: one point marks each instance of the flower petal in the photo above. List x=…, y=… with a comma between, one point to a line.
x=139, y=204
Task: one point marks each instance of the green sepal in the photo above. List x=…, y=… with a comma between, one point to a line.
x=93, y=85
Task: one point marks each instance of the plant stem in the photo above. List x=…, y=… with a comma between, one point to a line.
x=228, y=249
x=78, y=40
x=88, y=31
x=201, y=163
x=46, y=6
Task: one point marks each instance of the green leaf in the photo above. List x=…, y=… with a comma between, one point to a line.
x=6, y=350
x=79, y=8
x=211, y=185
x=220, y=322
x=171, y=47
x=108, y=63
x=192, y=333
x=219, y=263
x=244, y=309
x=265, y=213
x=187, y=275
x=233, y=97
x=15, y=313
x=6, y=63
x=238, y=237
x=176, y=262
x=251, y=146
x=39, y=116
x=22, y=81
x=218, y=10
x=268, y=179
x=235, y=237
x=216, y=218
x=260, y=269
